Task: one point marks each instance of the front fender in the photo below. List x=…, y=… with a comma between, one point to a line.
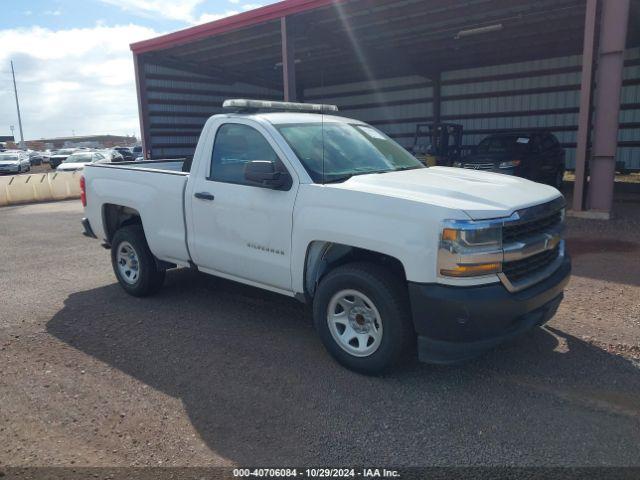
x=405, y=230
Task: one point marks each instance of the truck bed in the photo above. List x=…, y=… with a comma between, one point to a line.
x=155, y=189
x=181, y=165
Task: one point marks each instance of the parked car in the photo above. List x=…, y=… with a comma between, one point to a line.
x=137, y=151
x=59, y=156
x=537, y=156
x=333, y=212
x=35, y=157
x=78, y=160
x=14, y=162
x=126, y=153
x=112, y=155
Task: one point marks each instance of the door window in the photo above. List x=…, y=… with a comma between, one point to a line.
x=236, y=145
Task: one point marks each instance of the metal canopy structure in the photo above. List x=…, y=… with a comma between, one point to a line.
x=307, y=50
x=362, y=40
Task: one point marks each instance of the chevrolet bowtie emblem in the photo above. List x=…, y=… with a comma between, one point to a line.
x=551, y=241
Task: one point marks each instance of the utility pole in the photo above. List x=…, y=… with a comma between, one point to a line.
x=15, y=90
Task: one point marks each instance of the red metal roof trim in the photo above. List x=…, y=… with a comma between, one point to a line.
x=234, y=22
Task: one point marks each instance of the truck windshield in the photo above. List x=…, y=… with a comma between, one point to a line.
x=333, y=151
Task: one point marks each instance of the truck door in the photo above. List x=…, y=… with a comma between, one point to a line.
x=241, y=230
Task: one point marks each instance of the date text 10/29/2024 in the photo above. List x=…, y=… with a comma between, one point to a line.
x=316, y=472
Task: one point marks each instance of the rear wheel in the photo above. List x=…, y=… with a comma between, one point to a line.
x=361, y=312
x=134, y=264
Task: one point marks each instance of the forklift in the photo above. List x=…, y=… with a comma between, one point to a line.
x=437, y=143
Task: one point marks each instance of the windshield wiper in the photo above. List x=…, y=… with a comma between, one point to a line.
x=413, y=167
x=342, y=178
x=338, y=179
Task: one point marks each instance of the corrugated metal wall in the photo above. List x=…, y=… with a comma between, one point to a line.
x=534, y=94
x=179, y=103
x=393, y=105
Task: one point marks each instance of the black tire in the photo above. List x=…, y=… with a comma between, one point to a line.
x=389, y=296
x=150, y=278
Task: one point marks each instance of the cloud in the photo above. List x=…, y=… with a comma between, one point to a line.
x=251, y=6
x=77, y=79
x=210, y=17
x=182, y=10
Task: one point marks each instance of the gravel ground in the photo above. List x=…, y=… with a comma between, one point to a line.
x=210, y=372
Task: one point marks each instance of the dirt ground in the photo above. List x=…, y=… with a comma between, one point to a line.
x=210, y=372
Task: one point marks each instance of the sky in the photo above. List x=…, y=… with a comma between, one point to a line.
x=74, y=68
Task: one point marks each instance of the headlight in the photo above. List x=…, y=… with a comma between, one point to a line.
x=509, y=164
x=470, y=249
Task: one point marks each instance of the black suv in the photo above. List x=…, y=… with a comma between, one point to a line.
x=126, y=153
x=537, y=156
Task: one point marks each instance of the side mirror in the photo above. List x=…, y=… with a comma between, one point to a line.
x=263, y=173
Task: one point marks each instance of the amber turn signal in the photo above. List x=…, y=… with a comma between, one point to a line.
x=472, y=270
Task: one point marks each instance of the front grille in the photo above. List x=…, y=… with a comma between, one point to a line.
x=519, y=269
x=521, y=230
x=479, y=166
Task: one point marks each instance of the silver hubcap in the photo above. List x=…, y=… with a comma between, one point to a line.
x=128, y=264
x=354, y=323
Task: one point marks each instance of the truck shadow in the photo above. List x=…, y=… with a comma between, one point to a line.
x=260, y=390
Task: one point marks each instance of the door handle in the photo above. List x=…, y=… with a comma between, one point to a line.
x=204, y=196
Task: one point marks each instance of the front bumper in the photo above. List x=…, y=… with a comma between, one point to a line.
x=458, y=323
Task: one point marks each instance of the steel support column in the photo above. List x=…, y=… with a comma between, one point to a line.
x=436, y=82
x=584, y=116
x=613, y=34
x=141, y=90
x=288, y=63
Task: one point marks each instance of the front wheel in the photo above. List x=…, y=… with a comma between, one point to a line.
x=361, y=312
x=134, y=264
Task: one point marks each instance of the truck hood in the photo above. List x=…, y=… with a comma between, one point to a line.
x=490, y=157
x=480, y=195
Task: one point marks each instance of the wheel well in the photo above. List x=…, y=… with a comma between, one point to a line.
x=322, y=257
x=117, y=216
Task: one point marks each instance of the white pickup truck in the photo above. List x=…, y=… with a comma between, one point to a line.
x=329, y=210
